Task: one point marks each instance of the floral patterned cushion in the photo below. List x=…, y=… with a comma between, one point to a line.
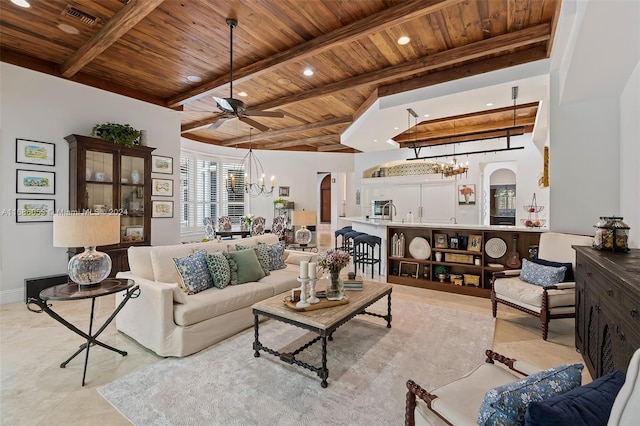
x=233, y=268
x=257, y=226
x=507, y=404
x=262, y=252
x=277, y=228
x=219, y=269
x=540, y=274
x=224, y=223
x=194, y=272
x=276, y=256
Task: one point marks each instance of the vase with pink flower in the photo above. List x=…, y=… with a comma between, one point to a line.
x=333, y=261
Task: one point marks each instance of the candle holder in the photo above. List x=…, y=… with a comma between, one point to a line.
x=303, y=293
x=312, y=291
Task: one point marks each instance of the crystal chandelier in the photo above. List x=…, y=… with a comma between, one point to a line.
x=253, y=170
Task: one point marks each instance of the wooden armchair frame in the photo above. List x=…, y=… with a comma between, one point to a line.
x=416, y=391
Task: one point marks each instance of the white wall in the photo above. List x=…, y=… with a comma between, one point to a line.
x=44, y=108
x=630, y=156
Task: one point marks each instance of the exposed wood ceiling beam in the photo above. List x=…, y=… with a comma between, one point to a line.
x=336, y=147
x=288, y=131
x=469, y=137
x=307, y=141
x=125, y=19
x=396, y=15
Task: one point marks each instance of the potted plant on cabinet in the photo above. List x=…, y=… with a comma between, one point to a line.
x=123, y=134
x=279, y=203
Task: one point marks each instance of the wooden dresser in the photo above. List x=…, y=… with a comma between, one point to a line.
x=607, y=308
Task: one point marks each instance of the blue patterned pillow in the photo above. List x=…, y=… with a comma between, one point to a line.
x=194, y=272
x=219, y=269
x=541, y=275
x=276, y=256
x=262, y=252
x=507, y=404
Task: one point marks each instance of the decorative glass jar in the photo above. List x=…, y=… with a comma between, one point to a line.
x=612, y=234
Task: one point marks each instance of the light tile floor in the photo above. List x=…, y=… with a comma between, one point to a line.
x=35, y=391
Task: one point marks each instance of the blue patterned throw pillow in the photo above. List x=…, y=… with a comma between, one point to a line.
x=540, y=274
x=276, y=256
x=219, y=269
x=507, y=404
x=194, y=272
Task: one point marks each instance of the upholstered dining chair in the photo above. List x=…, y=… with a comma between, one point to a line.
x=278, y=227
x=209, y=229
x=537, y=290
x=257, y=225
x=224, y=223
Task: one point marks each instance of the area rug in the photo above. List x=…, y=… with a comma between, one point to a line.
x=369, y=365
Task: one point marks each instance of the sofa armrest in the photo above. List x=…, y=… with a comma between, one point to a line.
x=149, y=317
x=565, y=286
x=521, y=367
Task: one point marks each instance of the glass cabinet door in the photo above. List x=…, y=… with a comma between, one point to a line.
x=99, y=182
x=132, y=191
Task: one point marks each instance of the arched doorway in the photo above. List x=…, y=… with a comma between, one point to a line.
x=325, y=199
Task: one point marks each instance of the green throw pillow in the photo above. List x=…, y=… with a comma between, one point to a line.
x=219, y=269
x=262, y=252
x=247, y=264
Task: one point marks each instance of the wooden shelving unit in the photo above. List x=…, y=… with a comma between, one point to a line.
x=426, y=267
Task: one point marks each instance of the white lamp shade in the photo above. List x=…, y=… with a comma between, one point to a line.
x=85, y=230
x=303, y=218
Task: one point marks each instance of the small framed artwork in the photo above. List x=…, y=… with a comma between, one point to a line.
x=161, y=165
x=475, y=243
x=35, y=152
x=29, y=211
x=454, y=243
x=35, y=182
x=162, y=187
x=283, y=191
x=441, y=241
x=134, y=231
x=466, y=194
x=161, y=209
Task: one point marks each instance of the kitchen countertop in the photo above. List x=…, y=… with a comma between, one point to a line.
x=395, y=224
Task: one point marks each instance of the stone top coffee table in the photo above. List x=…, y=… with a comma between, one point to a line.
x=321, y=321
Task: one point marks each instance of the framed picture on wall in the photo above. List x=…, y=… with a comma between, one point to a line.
x=35, y=152
x=161, y=164
x=35, y=182
x=161, y=209
x=467, y=194
x=29, y=211
x=283, y=191
x=162, y=187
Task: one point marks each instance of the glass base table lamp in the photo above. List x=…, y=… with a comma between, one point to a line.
x=303, y=218
x=87, y=230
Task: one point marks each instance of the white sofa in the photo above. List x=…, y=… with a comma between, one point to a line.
x=171, y=323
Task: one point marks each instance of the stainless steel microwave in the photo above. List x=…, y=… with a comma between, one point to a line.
x=378, y=208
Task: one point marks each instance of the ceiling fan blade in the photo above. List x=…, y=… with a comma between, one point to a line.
x=217, y=123
x=223, y=104
x=254, y=123
x=255, y=113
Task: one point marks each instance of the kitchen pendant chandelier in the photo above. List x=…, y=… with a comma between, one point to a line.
x=454, y=169
x=253, y=169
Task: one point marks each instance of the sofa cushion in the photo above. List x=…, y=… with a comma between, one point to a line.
x=516, y=289
x=164, y=270
x=194, y=272
x=296, y=258
x=262, y=252
x=247, y=264
x=210, y=246
x=219, y=269
x=506, y=404
x=214, y=302
x=276, y=256
x=139, y=258
x=542, y=275
x=586, y=405
x=282, y=280
x=568, y=275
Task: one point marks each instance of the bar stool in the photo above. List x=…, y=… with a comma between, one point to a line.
x=365, y=252
x=347, y=241
x=341, y=232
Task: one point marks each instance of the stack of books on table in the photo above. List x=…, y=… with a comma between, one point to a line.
x=354, y=284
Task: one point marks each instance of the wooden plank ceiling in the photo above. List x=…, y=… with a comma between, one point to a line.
x=146, y=49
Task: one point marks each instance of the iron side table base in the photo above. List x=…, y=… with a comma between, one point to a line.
x=323, y=335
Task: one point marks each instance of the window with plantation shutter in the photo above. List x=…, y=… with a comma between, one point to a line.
x=205, y=191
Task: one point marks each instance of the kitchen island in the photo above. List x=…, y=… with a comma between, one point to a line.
x=448, y=257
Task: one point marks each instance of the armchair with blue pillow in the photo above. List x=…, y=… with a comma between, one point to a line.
x=545, y=286
x=518, y=393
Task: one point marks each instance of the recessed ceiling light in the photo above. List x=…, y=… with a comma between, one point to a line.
x=308, y=72
x=426, y=115
x=375, y=140
x=69, y=29
x=243, y=94
x=283, y=80
x=194, y=79
x=21, y=3
x=396, y=128
x=403, y=40
x=489, y=103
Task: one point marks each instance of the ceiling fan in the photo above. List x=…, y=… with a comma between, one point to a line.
x=235, y=108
